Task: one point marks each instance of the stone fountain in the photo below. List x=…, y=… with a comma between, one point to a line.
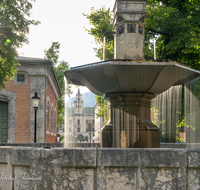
x=129, y=82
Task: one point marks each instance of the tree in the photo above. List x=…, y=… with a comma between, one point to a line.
x=102, y=108
x=102, y=22
x=174, y=22
x=176, y=25
x=53, y=54
x=14, y=27
x=86, y=138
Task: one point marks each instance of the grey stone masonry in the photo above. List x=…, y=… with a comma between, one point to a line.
x=28, y=168
x=129, y=17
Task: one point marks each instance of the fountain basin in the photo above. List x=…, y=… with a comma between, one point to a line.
x=129, y=86
x=117, y=76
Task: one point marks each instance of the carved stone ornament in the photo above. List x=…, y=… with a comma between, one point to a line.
x=142, y=19
x=119, y=19
x=140, y=29
x=120, y=29
x=131, y=28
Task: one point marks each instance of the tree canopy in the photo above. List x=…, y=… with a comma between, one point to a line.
x=59, y=66
x=175, y=24
x=14, y=27
x=102, y=22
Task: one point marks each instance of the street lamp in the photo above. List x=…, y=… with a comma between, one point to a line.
x=35, y=102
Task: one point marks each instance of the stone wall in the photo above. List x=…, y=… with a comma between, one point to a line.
x=91, y=169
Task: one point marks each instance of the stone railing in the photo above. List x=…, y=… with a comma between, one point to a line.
x=95, y=168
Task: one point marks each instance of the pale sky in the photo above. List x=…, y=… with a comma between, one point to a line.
x=62, y=21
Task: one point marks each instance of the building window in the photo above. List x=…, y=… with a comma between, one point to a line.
x=70, y=129
x=78, y=129
x=78, y=99
x=86, y=129
x=55, y=127
x=78, y=121
x=52, y=120
x=87, y=121
x=20, y=78
x=93, y=129
x=48, y=117
x=93, y=121
x=70, y=121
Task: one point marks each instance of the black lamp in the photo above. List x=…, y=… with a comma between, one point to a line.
x=35, y=102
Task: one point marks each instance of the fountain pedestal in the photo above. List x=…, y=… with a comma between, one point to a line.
x=130, y=125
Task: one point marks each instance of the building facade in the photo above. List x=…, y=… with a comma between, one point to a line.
x=16, y=110
x=79, y=120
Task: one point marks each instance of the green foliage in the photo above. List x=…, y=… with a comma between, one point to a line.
x=102, y=108
x=176, y=24
x=53, y=54
x=86, y=138
x=101, y=20
x=62, y=138
x=14, y=27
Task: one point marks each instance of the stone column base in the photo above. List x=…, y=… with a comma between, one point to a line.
x=130, y=125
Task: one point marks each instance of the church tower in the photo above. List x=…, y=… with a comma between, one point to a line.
x=78, y=104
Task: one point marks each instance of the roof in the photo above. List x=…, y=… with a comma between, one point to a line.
x=31, y=60
x=87, y=111
x=78, y=93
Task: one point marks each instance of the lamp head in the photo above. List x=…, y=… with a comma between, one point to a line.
x=35, y=101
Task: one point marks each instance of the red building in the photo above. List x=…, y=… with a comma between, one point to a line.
x=16, y=110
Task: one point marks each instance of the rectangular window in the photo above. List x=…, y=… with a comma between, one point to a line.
x=70, y=130
x=87, y=121
x=78, y=121
x=86, y=129
x=20, y=78
x=93, y=121
x=79, y=129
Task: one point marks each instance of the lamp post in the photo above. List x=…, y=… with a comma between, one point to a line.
x=35, y=101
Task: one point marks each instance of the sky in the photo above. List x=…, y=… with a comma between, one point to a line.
x=62, y=21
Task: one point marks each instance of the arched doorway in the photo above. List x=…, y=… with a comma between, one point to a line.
x=3, y=122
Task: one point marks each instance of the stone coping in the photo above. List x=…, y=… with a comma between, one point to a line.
x=95, y=145
x=99, y=168
x=52, y=145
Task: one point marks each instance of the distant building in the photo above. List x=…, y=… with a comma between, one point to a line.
x=79, y=119
x=16, y=109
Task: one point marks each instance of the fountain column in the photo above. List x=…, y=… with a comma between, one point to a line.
x=130, y=124
x=129, y=25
